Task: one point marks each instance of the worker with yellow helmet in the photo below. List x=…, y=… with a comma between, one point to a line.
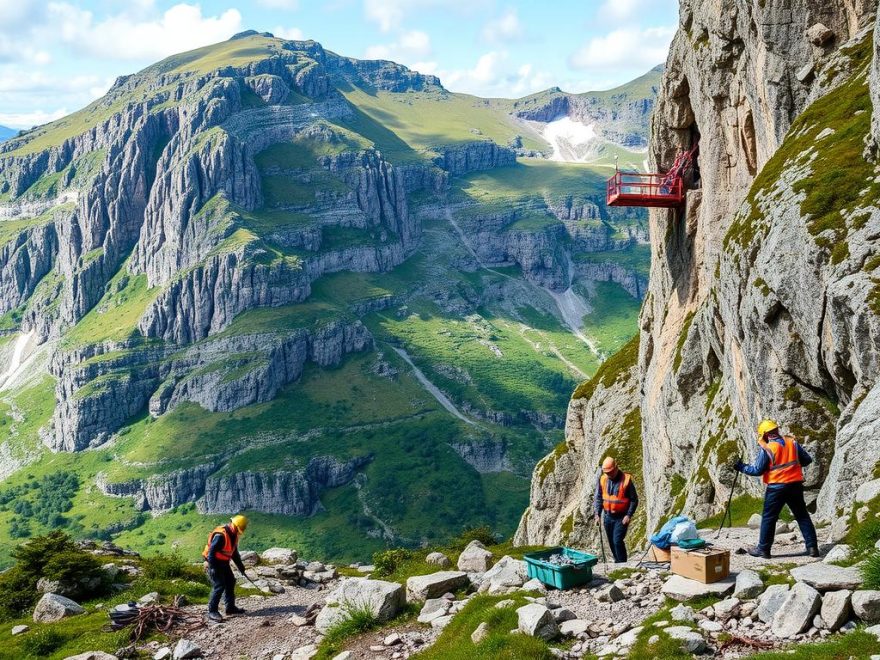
x=780, y=461
x=221, y=549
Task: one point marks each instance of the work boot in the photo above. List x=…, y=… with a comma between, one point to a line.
x=215, y=616
x=813, y=551
x=234, y=610
x=757, y=552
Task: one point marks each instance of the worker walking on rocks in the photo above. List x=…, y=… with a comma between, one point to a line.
x=221, y=549
x=780, y=461
x=616, y=497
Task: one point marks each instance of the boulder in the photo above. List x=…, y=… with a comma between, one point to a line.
x=609, y=594
x=682, y=588
x=727, y=608
x=422, y=587
x=574, y=627
x=866, y=605
x=18, y=630
x=797, y=611
x=475, y=558
x=480, y=633
x=280, y=556
x=249, y=558
x=748, y=585
x=836, y=608
x=186, y=649
x=840, y=552
x=819, y=34
x=771, y=600
x=384, y=600
x=534, y=585
x=54, y=607
x=438, y=559
x=434, y=608
x=874, y=630
x=563, y=614
x=683, y=613
x=826, y=577
x=805, y=73
x=507, y=572
x=868, y=491
x=754, y=521
x=691, y=640
x=92, y=655
x=536, y=620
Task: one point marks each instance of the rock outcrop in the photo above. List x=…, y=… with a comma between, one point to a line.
x=759, y=302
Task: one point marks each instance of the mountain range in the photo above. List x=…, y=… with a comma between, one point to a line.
x=262, y=276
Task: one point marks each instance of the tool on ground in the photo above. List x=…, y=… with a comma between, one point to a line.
x=729, y=500
x=247, y=577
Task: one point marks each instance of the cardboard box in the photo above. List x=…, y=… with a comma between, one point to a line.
x=656, y=554
x=704, y=565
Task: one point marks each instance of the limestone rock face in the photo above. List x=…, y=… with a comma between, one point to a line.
x=750, y=312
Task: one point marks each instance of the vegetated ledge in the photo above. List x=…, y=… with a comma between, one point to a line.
x=611, y=370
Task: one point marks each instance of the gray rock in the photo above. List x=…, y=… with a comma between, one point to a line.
x=422, y=587
x=819, y=34
x=873, y=630
x=164, y=653
x=574, y=627
x=562, y=614
x=148, y=599
x=609, y=594
x=18, y=630
x=438, y=559
x=384, y=599
x=507, y=572
x=691, y=641
x=771, y=600
x=825, y=577
x=682, y=588
x=534, y=585
x=797, y=611
x=838, y=553
x=283, y=556
x=480, y=633
x=868, y=491
x=433, y=609
x=748, y=585
x=754, y=521
x=186, y=649
x=537, y=621
x=682, y=612
x=441, y=622
x=866, y=605
x=836, y=608
x=710, y=626
x=727, y=608
x=53, y=607
x=92, y=655
x=475, y=558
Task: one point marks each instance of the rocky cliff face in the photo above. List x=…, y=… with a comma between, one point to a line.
x=759, y=303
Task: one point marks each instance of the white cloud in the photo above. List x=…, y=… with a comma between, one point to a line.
x=30, y=119
x=621, y=10
x=390, y=14
x=410, y=47
x=505, y=28
x=495, y=75
x=291, y=33
x=289, y=5
x=130, y=36
x=625, y=47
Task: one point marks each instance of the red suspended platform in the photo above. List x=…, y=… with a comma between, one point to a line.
x=652, y=190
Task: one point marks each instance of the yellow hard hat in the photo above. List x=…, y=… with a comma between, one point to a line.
x=766, y=426
x=609, y=465
x=240, y=522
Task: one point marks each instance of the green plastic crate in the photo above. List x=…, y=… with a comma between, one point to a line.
x=561, y=577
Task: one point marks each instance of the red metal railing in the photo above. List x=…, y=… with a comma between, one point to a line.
x=634, y=189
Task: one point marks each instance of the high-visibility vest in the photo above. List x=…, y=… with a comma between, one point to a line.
x=615, y=503
x=785, y=467
x=230, y=543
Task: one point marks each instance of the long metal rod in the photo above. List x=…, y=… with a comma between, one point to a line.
x=729, y=500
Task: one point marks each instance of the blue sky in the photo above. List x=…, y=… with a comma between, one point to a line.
x=57, y=56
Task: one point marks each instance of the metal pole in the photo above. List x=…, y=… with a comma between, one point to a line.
x=729, y=500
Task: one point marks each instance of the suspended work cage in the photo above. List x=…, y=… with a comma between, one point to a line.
x=653, y=190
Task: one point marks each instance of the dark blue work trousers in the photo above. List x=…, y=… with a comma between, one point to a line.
x=615, y=530
x=776, y=497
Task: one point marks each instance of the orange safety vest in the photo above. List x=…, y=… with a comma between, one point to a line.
x=785, y=467
x=230, y=543
x=615, y=503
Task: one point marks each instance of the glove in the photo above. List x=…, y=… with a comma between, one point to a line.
x=738, y=466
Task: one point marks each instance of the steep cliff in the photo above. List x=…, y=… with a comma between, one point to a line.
x=759, y=302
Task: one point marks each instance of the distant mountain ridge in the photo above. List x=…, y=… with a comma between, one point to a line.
x=6, y=133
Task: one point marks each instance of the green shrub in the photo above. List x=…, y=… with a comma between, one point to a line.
x=387, y=561
x=871, y=571
x=165, y=567
x=483, y=534
x=43, y=642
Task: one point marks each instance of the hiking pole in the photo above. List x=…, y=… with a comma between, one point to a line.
x=729, y=500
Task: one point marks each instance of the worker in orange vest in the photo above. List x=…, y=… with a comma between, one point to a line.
x=780, y=461
x=222, y=548
x=617, y=499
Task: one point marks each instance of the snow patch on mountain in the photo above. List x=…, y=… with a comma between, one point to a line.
x=572, y=141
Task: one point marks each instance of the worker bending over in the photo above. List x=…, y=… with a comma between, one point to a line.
x=616, y=497
x=222, y=548
x=780, y=460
